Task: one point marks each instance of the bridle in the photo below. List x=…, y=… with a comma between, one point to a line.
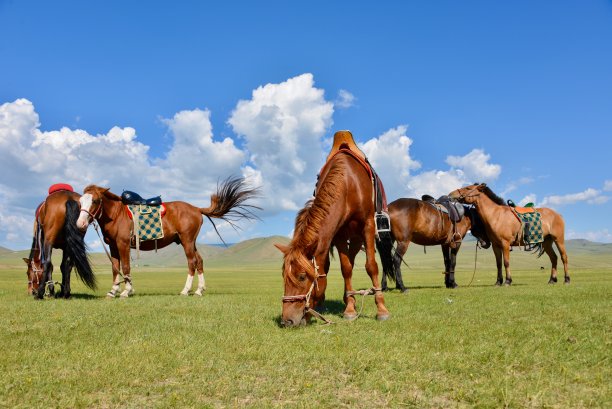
x=465, y=196
x=306, y=297
x=93, y=216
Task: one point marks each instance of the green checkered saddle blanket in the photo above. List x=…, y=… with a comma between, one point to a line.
x=148, y=221
x=532, y=227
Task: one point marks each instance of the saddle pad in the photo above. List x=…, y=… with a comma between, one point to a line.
x=532, y=222
x=149, y=221
x=522, y=210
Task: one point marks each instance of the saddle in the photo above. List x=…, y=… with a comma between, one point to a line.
x=132, y=198
x=529, y=208
x=58, y=187
x=454, y=209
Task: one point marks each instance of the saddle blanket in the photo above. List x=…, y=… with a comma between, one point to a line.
x=149, y=221
x=532, y=225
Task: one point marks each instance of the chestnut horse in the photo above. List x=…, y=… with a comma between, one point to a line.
x=504, y=229
x=181, y=225
x=341, y=215
x=55, y=227
x=414, y=220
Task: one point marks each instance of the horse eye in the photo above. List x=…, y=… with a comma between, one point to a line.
x=302, y=277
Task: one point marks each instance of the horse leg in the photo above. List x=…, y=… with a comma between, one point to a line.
x=124, y=254
x=506, y=250
x=548, y=248
x=115, y=265
x=372, y=269
x=398, y=256
x=453, y=262
x=201, y=281
x=47, y=271
x=561, y=247
x=447, y=264
x=66, y=268
x=192, y=263
x=498, y=260
x=346, y=254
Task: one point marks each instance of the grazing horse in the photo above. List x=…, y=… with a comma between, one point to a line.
x=504, y=229
x=55, y=227
x=417, y=221
x=181, y=225
x=341, y=215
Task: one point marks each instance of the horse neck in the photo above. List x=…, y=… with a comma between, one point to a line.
x=486, y=208
x=110, y=209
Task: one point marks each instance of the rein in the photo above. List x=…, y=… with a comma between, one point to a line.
x=306, y=297
x=363, y=293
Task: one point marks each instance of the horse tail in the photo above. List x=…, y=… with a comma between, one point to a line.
x=228, y=203
x=75, y=245
x=384, y=245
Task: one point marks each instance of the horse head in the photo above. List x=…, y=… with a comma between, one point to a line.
x=91, y=205
x=34, y=274
x=468, y=194
x=305, y=284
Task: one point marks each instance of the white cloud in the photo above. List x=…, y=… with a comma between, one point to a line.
x=470, y=168
x=590, y=195
x=283, y=125
x=345, y=99
x=475, y=166
x=389, y=154
x=601, y=236
x=607, y=186
x=530, y=198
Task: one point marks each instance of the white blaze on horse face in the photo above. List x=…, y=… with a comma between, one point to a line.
x=86, y=201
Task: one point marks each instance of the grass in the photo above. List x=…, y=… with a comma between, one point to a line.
x=529, y=345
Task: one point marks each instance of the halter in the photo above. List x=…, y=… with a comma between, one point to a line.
x=462, y=196
x=306, y=297
x=96, y=214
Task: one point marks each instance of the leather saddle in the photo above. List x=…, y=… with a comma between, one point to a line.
x=132, y=198
x=529, y=208
x=455, y=210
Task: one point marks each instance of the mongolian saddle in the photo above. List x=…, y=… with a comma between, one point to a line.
x=455, y=210
x=132, y=198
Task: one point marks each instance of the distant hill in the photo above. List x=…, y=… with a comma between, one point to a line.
x=260, y=250
x=4, y=250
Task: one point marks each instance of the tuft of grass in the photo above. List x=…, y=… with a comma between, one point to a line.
x=528, y=345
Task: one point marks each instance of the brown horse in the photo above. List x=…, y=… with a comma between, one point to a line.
x=417, y=221
x=181, y=225
x=341, y=215
x=55, y=227
x=504, y=229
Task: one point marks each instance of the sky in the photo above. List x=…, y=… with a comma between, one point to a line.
x=170, y=97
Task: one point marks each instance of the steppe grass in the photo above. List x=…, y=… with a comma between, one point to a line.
x=529, y=345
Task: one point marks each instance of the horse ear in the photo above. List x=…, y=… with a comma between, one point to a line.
x=26, y=260
x=284, y=249
x=483, y=185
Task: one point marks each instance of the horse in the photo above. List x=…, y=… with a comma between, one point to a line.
x=414, y=220
x=341, y=215
x=181, y=225
x=505, y=229
x=55, y=227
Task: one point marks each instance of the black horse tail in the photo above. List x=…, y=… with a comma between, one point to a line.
x=228, y=203
x=75, y=245
x=384, y=245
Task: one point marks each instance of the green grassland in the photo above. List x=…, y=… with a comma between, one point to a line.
x=528, y=345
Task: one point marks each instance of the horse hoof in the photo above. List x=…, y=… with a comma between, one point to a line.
x=566, y=281
x=498, y=283
x=508, y=283
x=404, y=290
x=382, y=317
x=184, y=293
x=199, y=293
x=350, y=317
x=553, y=280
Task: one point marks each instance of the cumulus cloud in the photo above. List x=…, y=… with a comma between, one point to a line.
x=345, y=99
x=530, y=198
x=607, y=186
x=470, y=168
x=36, y=159
x=283, y=126
x=590, y=196
x=390, y=155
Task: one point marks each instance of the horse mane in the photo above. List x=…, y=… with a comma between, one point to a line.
x=104, y=191
x=497, y=199
x=309, y=220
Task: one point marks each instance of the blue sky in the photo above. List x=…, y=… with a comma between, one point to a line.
x=167, y=98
